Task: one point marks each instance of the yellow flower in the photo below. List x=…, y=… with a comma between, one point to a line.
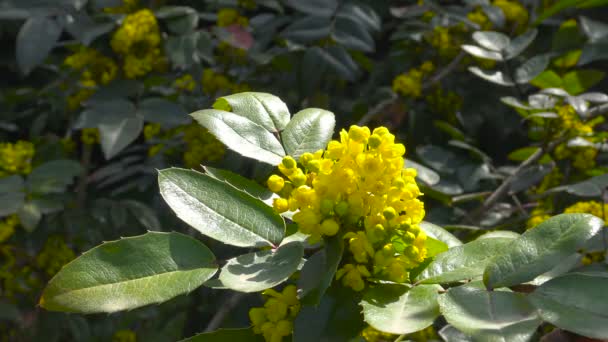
x=186, y=83
x=352, y=276
x=275, y=320
x=124, y=335
x=151, y=130
x=89, y=136
x=479, y=17
x=409, y=84
x=7, y=227
x=16, y=158
x=54, y=255
x=200, y=146
x=515, y=13
x=230, y=16
x=590, y=207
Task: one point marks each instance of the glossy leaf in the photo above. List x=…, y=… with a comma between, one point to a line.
x=538, y=250
x=440, y=234
x=308, y=131
x=576, y=302
x=482, y=53
x=262, y=270
x=264, y=109
x=465, y=262
x=319, y=270
x=489, y=315
x=130, y=273
x=495, y=41
x=424, y=173
x=220, y=211
x=241, y=183
x=398, y=309
x=495, y=76
x=241, y=135
x=116, y=135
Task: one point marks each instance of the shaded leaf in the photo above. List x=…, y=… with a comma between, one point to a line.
x=164, y=112
x=319, y=270
x=35, y=40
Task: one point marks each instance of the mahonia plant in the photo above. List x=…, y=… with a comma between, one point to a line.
x=340, y=223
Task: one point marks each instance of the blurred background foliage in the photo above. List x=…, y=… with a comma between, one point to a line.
x=505, y=127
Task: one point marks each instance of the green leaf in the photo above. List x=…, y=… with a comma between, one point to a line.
x=239, y=182
x=12, y=194
x=319, y=270
x=143, y=214
x=308, y=29
x=226, y=335
x=398, y=309
x=450, y=334
x=130, y=273
x=264, y=109
x=531, y=68
x=482, y=53
x=523, y=153
x=115, y=136
x=540, y=249
x=519, y=44
x=436, y=232
x=576, y=302
x=434, y=247
x=494, y=76
x=489, y=316
x=592, y=187
x=321, y=8
x=352, y=35
x=179, y=19
x=547, y=79
x=308, y=131
x=241, y=135
x=262, y=270
x=53, y=176
x=495, y=41
x=579, y=81
x=424, y=173
x=220, y=211
x=35, y=40
x=465, y=262
x=166, y=113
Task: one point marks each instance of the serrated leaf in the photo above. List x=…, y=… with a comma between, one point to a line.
x=482, y=53
x=465, y=262
x=35, y=40
x=398, y=309
x=241, y=135
x=491, y=40
x=489, y=316
x=262, y=270
x=220, y=211
x=130, y=273
x=319, y=270
x=576, y=302
x=308, y=131
x=265, y=109
x=494, y=76
x=539, y=249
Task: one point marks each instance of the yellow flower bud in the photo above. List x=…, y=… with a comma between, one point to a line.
x=330, y=227
x=275, y=183
x=288, y=162
x=341, y=208
x=281, y=205
x=389, y=213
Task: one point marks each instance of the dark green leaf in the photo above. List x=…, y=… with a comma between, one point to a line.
x=321, y=8
x=319, y=270
x=352, y=35
x=262, y=270
x=54, y=176
x=129, y=273
x=166, y=113
x=220, y=211
x=489, y=316
x=424, y=174
x=538, y=250
x=241, y=135
x=576, y=302
x=115, y=136
x=398, y=309
x=226, y=335
x=519, y=44
x=35, y=40
x=308, y=29
x=143, y=214
x=531, y=68
x=308, y=131
x=29, y=216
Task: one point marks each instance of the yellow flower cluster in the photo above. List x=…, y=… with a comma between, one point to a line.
x=124, y=335
x=447, y=40
x=7, y=227
x=370, y=334
x=410, y=84
x=583, y=157
x=54, y=255
x=593, y=257
x=515, y=13
x=479, y=17
x=15, y=278
x=357, y=188
x=127, y=6
x=598, y=209
x=151, y=130
x=569, y=120
x=214, y=83
x=200, y=146
x=138, y=41
x=230, y=16
x=16, y=158
x=89, y=136
x=537, y=216
x=445, y=103
x=275, y=319
x=185, y=83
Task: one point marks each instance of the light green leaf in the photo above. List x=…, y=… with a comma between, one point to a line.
x=164, y=112
x=482, y=53
x=264, y=109
x=319, y=270
x=540, y=249
x=130, y=273
x=35, y=40
x=226, y=335
x=308, y=131
x=547, y=79
x=398, y=309
x=578, y=81
x=220, y=211
x=491, y=40
x=450, y=334
x=115, y=136
x=436, y=232
x=489, y=316
x=465, y=262
x=262, y=270
x=53, y=176
x=576, y=302
x=241, y=135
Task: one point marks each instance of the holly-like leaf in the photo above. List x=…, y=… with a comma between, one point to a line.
x=308, y=131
